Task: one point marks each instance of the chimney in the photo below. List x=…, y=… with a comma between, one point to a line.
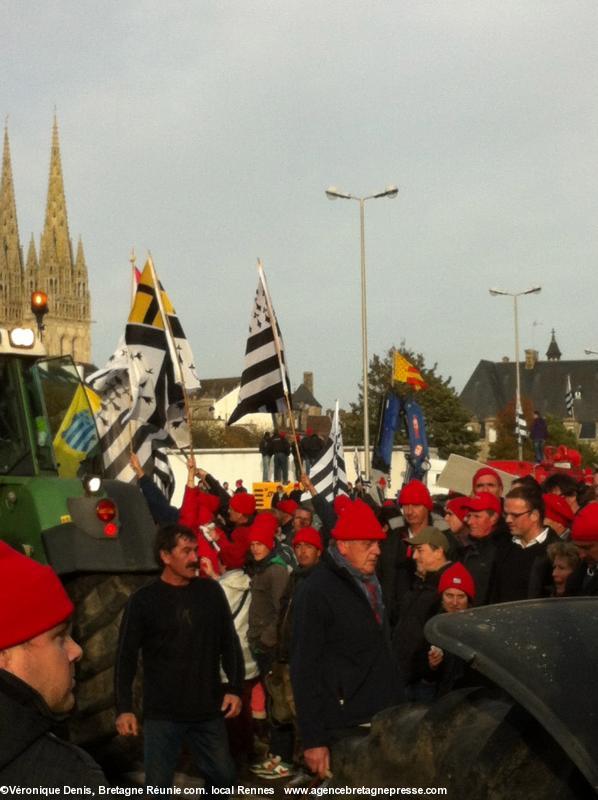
x=308, y=381
x=531, y=357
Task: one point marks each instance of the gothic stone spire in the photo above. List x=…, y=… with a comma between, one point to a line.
x=55, y=255
x=11, y=259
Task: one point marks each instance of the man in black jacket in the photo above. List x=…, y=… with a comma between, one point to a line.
x=342, y=668
x=522, y=568
x=184, y=629
x=422, y=601
x=37, y=662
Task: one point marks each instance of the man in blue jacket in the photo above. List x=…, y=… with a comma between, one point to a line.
x=342, y=667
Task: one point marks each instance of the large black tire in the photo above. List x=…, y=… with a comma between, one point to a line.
x=478, y=743
x=99, y=603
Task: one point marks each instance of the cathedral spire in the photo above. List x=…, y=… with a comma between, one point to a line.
x=11, y=260
x=55, y=248
x=9, y=230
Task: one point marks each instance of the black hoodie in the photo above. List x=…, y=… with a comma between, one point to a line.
x=30, y=754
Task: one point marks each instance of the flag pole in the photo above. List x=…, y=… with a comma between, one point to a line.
x=173, y=350
x=133, y=262
x=278, y=347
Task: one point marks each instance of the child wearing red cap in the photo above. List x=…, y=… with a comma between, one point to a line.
x=456, y=588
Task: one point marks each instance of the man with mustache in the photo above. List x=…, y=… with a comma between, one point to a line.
x=37, y=679
x=183, y=626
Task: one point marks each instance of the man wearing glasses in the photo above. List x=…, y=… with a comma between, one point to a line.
x=522, y=566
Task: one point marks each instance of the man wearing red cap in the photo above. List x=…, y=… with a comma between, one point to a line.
x=584, y=534
x=486, y=537
x=285, y=511
x=395, y=567
x=37, y=679
x=308, y=547
x=559, y=515
x=342, y=667
x=487, y=479
x=183, y=627
x=269, y=578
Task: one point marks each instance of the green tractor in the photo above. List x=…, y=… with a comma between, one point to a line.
x=56, y=507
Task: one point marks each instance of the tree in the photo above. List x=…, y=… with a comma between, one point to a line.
x=208, y=434
x=505, y=446
x=446, y=418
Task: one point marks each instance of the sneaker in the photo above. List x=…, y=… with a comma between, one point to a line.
x=280, y=770
x=265, y=766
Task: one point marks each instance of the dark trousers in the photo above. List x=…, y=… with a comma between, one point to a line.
x=207, y=742
x=281, y=467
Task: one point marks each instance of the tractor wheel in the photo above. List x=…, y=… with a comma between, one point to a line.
x=477, y=742
x=99, y=603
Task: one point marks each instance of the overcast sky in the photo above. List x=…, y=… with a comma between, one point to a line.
x=207, y=132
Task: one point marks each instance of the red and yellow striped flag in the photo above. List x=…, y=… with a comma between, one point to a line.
x=404, y=372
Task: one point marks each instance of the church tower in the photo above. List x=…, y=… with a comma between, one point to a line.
x=11, y=256
x=63, y=278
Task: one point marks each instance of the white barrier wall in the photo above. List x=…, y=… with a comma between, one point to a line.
x=246, y=463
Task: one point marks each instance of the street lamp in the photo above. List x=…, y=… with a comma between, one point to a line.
x=515, y=295
x=589, y=352
x=332, y=193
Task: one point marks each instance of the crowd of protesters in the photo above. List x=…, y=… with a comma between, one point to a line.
x=319, y=608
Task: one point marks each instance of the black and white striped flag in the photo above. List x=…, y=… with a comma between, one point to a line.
x=569, y=398
x=265, y=381
x=141, y=388
x=328, y=474
x=521, y=432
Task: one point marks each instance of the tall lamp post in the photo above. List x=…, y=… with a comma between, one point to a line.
x=515, y=295
x=332, y=193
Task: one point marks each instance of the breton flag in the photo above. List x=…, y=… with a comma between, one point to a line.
x=569, y=398
x=520, y=423
x=141, y=387
x=265, y=380
x=328, y=474
x=404, y=372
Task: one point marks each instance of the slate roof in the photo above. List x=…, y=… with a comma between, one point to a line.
x=492, y=386
x=303, y=396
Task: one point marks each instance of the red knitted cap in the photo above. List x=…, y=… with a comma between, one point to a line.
x=417, y=494
x=484, y=501
x=486, y=471
x=557, y=509
x=457, y=577
x=243, y=503
x=358, y=521
x=458, y=506
x=32, y=599
x=263, y=529
x=309, y=536
x=585, y=524
x=340, y=503
x=287, y=506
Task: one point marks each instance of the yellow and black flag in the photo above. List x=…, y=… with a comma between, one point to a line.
x=143, y=382
x=161, y=362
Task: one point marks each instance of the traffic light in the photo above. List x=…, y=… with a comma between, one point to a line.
x=39, y=306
